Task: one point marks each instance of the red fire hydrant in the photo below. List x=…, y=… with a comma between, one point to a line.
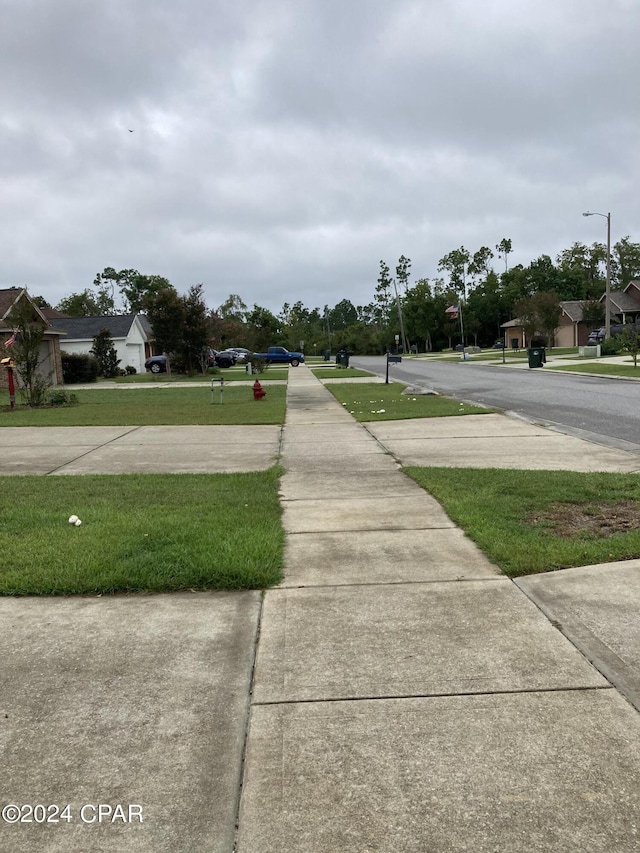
x=258, y=391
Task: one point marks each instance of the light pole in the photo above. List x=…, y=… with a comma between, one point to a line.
x=607, y=292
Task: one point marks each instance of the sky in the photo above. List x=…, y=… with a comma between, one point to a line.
x=279, y=149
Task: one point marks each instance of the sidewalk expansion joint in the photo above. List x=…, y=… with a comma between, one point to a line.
x=376, y=584
x=247, y=727
x=93, y=450
x=372, y=529
x=623, y=677
x=448, y=695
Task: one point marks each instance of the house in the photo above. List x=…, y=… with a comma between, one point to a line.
x=625, y=304
x=572, y=330
x=131, y=334
x=50, y=363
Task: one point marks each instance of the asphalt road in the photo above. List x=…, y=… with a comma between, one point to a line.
x=602, y=409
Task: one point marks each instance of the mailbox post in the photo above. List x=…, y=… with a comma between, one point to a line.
x=391, y=359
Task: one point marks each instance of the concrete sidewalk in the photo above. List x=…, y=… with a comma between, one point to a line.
x=394, y=693
x=406, y=695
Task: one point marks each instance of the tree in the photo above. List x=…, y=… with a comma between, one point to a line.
x=165, y=310
x=195, y=335
x=504, y=250
x=87, y=304
x=403, y=272
x=134, y=287
x=626, y=261
x=263, y=328
x=26, y=353
x=383, y=298
x=593, y=313
x=540, y=314
x=105, y=354
x=342, y=315
x=480, y=265
x=630, y=341
x=456, y=263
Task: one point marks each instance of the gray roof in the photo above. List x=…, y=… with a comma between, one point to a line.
x=624, y=302
x=86, y=328
x=573, y=309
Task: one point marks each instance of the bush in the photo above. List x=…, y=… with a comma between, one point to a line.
x=78, y=367
x=130, y=370
x=611, y=346
x=258, y=365
x=62, y=398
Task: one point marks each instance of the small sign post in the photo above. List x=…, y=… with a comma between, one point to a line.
x=221, y=381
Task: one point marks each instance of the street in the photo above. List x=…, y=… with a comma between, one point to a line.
x=601, y=409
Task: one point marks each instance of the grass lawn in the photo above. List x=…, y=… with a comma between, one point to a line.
x=539, y=521
x=375, y=401
x=152, y=532
x=338, y=372
x=601, y=369
x=144, y=406
x=231, y=374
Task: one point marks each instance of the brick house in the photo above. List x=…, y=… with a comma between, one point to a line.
x=50, y=362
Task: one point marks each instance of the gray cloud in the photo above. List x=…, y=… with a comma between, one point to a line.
x=280, y=149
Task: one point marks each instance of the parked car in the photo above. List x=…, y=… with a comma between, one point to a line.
x=598, y=335
x=156, y=364
x=241, y=353
x=226, y=358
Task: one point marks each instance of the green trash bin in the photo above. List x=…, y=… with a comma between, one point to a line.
x=536, y=356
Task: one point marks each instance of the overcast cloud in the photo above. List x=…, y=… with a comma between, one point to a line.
x=281, y=148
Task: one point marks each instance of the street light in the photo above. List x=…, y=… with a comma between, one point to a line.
x=607, y=293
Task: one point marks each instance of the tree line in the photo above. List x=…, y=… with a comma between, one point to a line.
x=415, y=312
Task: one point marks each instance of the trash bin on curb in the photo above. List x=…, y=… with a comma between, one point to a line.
x=327, y=355
x=342, y=357
x=536, y=356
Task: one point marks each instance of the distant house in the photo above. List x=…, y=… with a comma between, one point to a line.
x=625, y=304
x=572, y=330
x=50, y=363
x=131, y=334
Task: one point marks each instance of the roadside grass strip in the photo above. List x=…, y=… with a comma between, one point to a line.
x=598, y=369
x=156, y=406
x=539, y=521
x=371, y=401
x=140, y=532
x=338, y=372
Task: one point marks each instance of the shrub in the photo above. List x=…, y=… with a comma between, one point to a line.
x=130, y=370
x=258, y=365
x=62, y=398
x=611, y=346
x=78, y=367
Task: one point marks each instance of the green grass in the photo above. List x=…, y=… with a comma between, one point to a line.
x=375, y=401
x=144, y=406
x=152, y=532
x=338, y=372
x=599, y=369
x=497, y=509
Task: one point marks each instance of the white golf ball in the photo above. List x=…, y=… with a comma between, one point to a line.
x=73, y=519
x=78, y=522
